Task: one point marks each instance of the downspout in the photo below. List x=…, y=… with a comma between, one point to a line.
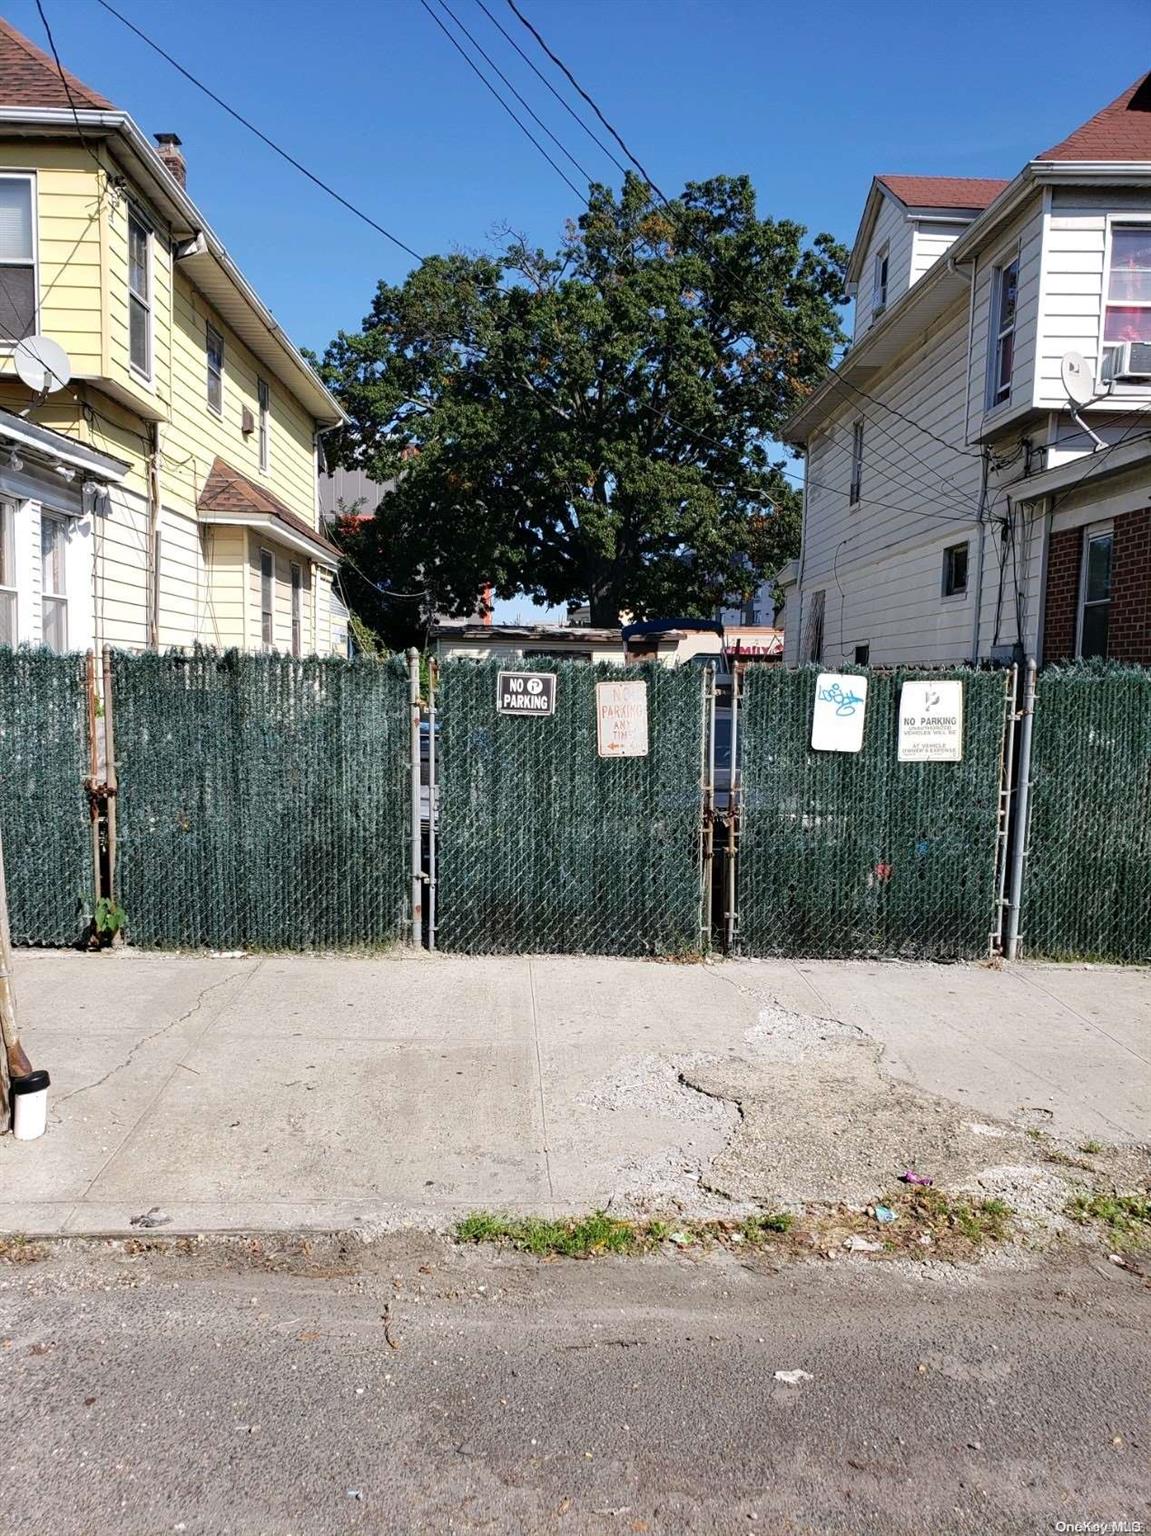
x=979, y=555
x=154, y=535
x=981, y=523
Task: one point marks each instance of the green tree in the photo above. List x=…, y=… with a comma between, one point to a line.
x=595, y=425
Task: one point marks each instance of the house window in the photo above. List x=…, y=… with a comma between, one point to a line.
x=140, y=295
x=264, y=400
x=1128, y=313
x=955, y=570
x=297, y=610
x=53, y=584
x=879, y=283
x=7, y=574
x=856, y=485
x=862, y=655
x=215, y=345
x=1003, y=356
x=18, y=284
x=267, y=598
x=813, y=639
x=1095, y=590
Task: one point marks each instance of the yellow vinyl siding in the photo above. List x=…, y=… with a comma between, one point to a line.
x=227, y=586
x=283, y=559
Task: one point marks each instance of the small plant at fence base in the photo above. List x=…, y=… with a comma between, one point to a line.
x=1123, y=1217
x=107, y=920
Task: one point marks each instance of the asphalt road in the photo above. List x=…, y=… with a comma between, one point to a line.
x=411, y=1386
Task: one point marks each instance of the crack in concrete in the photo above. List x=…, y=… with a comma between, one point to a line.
x=140, y=1044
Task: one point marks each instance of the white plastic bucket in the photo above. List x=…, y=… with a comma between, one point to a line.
x=29, y=1105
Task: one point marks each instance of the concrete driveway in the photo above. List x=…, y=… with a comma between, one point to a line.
x=312, y=1091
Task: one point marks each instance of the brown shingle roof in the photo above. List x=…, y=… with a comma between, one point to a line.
x=227, y=491
x=1122, y=131
x=29, y=77
x=975, y=192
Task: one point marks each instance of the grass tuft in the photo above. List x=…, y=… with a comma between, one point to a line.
x=1126, y=1216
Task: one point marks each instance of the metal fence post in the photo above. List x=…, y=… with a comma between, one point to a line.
x=1022, y=811
x=433, y=670
x=1006, y=804
x=733, y=812
x=707, y=806
x=417, y=913
x=111, y=783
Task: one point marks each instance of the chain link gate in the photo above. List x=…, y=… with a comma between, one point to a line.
x=544, y=846
x=44, y=810
x=262, y=801
x=1088, y=866
x=853, y=854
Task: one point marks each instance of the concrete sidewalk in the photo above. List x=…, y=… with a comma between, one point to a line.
x=301, y=1091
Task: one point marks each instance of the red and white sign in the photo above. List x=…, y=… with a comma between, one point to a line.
x=621, y=719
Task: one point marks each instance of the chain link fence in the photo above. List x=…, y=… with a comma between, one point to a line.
x=43, y=802
x=546, y=847
x=263, y=801
x=846, y=854
x=1088, y=885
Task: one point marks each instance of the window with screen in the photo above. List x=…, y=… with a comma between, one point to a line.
x=8, y=633
x=17, y=258
x=140, y=295
x=215, y=348
x=1003, y=354
x=955, y=570
x=297, y=610
x=1128, y=312
x=1095, y=604
x=267, y=598
x=53, y=581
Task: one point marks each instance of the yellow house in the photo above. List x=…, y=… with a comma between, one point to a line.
x=158, y=431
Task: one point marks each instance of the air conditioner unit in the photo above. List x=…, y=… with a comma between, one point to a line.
x=1131, y=360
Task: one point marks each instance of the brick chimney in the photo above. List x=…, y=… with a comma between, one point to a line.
x=168, y=147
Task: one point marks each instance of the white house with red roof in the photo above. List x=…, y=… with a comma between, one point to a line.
x=978, y=467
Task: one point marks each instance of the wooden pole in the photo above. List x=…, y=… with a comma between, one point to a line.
x=15, y=1063
x=93, y=772
x=110, y=780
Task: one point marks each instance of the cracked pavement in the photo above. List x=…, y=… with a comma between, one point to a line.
x=291, y=1092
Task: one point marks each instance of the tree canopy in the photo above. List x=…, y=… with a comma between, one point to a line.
x=589, y=426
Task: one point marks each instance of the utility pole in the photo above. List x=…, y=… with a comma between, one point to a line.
x=13, y=1063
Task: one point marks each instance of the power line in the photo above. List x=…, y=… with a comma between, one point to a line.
x=560, y=65
x=263, y=137
x=566, y=105
x=64, y=81
x=524, y=129
x=586, y=174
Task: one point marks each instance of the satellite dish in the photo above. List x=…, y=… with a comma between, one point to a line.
x=42, y=364
x=1078, y=378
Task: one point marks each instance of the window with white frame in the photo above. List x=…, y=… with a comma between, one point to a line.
x=53, y=581
x=879, y=281
x=263, y=401
x=297, y=610
x=267, y=599
x=18, y=285
x=955, y=570
x=1127, y=317
x=214, y=343
x=855, y=486
x=1095, y=591
x=8, y=630
x=139, y=295
x=1004, y=304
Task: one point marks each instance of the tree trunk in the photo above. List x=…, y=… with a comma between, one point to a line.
x=604, y=610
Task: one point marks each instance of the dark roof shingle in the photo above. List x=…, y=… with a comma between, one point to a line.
x=1122, y=131
x=29, y=77
x=227, y=491
x=975, y=192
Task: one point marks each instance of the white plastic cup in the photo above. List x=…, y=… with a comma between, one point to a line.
x=29, y=1105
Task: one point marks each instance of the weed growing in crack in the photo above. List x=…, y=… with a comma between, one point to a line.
x=1123, y=1216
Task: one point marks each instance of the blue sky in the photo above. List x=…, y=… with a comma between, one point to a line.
x=809, y=99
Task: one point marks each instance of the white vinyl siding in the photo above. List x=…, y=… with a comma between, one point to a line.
x=933, y=238
x=9, y=613
x=893, y=232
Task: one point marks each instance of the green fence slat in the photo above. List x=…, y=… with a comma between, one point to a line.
x=43, y=802
x=1088, y=887
x=857, y=854
x=263, y=800
x=544, y=846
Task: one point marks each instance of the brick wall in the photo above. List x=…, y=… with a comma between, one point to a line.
x=1129, y=631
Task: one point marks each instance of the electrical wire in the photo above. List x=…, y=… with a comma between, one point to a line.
x=524, y=129
x=568, y=108
x=560, y=65
x=67, y=84
x=586, y=174
x=263, y=137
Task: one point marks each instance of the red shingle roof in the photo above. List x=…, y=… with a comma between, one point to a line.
x=975, y=192
x=226, y=490
x=29, y=77
x=1122, y=131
